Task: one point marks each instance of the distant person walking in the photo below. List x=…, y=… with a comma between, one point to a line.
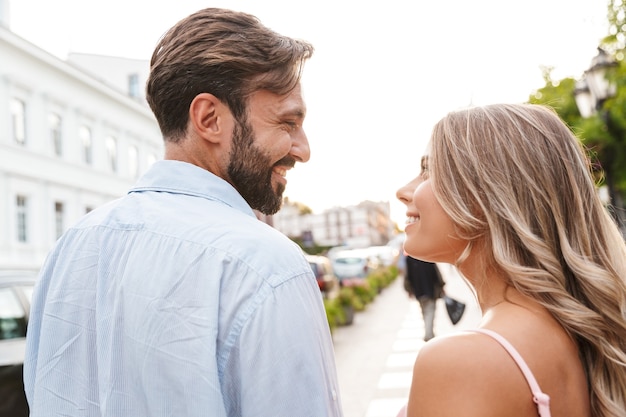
x=423, y=281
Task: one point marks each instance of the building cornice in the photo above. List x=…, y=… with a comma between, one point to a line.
x=45, y=58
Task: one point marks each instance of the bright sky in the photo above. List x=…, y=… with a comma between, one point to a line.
x=383, y=72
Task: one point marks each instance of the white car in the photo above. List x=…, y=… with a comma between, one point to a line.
x=354, y=263
x=387, y=255
x=16, y=289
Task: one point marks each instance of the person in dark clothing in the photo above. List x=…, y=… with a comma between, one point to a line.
x=423, y=281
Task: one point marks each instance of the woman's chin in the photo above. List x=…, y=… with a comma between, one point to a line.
x=421, y=254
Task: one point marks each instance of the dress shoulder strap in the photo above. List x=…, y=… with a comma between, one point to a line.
x=540, y=398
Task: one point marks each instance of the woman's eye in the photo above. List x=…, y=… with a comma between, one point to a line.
x=424, y=167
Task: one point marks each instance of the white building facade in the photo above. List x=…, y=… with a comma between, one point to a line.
x=68, y=143
x=366, y=224
x=76, y=134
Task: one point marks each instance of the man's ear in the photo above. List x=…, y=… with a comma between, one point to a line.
x=210, y=118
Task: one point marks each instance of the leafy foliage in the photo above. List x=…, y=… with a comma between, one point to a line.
x=356, y=294
x=604, y=133
x=614, y=41
x=560, y=96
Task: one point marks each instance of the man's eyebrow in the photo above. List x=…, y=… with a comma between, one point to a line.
x=294, y=113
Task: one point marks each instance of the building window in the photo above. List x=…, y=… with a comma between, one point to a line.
x=85, y=139
x=54, y=124
x=18, y=120
x=58, y=219
x=111, y=150
x=133, y=161
x=21, y=204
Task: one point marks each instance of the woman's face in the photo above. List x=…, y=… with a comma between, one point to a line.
x=430, y=233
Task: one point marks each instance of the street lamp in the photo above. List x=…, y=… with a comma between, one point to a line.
x=590, y=93
x=593, y=88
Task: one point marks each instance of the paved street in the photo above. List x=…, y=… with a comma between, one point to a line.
x=375, y=355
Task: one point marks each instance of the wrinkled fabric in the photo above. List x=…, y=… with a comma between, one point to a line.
x=176, y=301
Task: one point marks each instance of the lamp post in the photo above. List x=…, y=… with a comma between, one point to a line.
x=593, y=88
x=590, y=93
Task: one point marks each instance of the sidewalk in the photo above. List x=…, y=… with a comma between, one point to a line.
x=375, y=355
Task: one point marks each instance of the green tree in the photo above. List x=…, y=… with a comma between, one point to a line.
x=614, y=41
x=604, y=133
x=558, y=95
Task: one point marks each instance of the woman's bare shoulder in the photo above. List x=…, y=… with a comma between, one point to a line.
x=465, y=374
x=460, y=354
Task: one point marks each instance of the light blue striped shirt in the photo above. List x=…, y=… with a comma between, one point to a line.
x=176, y=301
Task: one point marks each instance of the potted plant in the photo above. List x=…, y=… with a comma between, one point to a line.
x=334, y=313
x=349, y=302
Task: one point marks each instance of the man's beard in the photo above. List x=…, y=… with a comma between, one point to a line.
x=250, y=171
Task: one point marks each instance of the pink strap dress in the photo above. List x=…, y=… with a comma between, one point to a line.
x=540, y=398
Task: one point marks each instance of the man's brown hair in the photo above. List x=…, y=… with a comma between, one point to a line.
x=222, y=52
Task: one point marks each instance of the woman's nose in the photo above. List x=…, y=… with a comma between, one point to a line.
x=404, y=194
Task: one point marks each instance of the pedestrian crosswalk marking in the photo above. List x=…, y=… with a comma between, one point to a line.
x=381, y=407
x=407, y=333
x=399, y=360
x=387, y=391
x=390, y=380
x=412, y=345
x=399, y=366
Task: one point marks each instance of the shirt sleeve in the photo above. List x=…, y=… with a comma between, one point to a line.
x=283, y=362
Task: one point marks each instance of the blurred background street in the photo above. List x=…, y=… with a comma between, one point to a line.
x=375, y=354
x=76, y=133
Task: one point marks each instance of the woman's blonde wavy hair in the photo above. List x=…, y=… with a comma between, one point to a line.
x=516, y=180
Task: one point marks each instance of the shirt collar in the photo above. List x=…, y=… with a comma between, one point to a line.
x=184, y=178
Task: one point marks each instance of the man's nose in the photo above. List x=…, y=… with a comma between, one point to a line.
x=300, y=149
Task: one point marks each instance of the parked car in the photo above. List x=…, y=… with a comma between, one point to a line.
x=387, y=255
x=323, y=271
x=354, y=263
x=16, y=289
